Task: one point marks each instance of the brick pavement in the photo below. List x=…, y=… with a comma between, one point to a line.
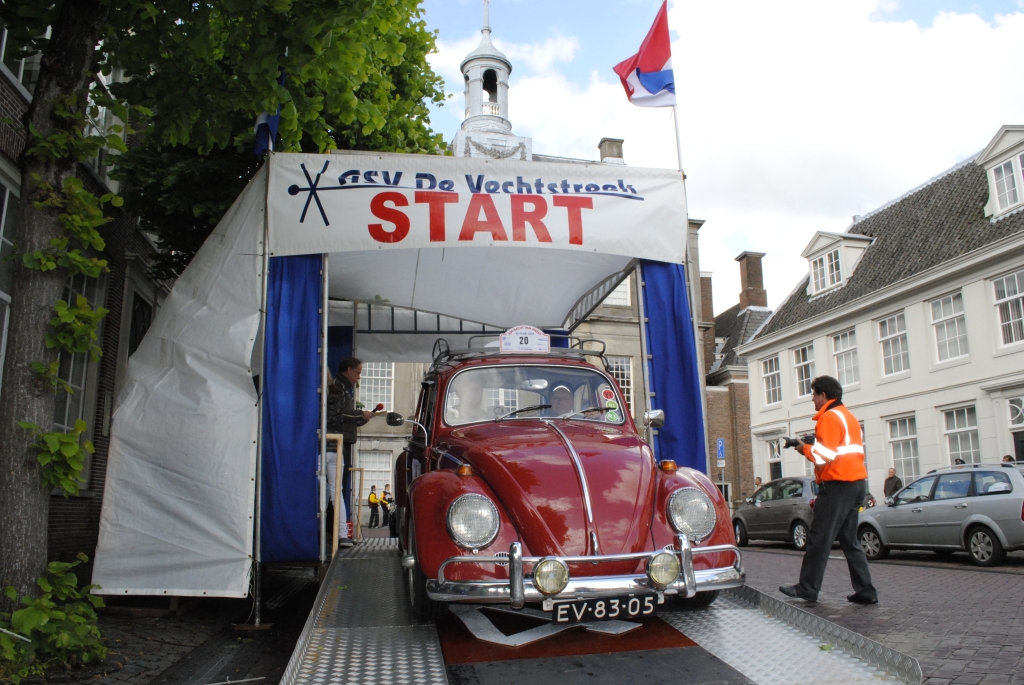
x=965, y=625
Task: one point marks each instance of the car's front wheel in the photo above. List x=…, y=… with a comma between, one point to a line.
x=741, y=533
x=984, y=547
x=872, y=544
x=422, y=605
x=798, y=535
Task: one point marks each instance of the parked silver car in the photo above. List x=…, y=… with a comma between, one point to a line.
x=974, y=507
x=779, y=510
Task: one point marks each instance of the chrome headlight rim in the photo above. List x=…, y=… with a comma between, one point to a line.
x=549, y=560
x=696, y=536
x=472, y=544
x=650, y=563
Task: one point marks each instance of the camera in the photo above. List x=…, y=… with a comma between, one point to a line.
x=796, y=442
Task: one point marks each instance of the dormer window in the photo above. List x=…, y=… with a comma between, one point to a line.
x=1003, y=161
x=827, y=270
x=1006, y=184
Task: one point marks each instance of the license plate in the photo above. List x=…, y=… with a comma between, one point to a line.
x=604, y=609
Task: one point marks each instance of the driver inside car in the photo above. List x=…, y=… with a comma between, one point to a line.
x=561, y=401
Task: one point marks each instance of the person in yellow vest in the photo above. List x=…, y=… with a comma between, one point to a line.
x=374, y=507
x=837, y=452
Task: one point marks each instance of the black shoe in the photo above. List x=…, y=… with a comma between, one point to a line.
x=795, y=591
x=861, y=599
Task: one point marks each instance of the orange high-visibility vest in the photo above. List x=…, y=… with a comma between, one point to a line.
x=838, y=449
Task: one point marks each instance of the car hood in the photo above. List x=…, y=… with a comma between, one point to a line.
x=531, y=470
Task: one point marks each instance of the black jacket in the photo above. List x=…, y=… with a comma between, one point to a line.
x=892, y=486
x=342, y=415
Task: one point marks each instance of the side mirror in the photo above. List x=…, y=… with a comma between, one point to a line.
x=654, y=418
x=890, y=502
x=749, y=500
x=394, y=419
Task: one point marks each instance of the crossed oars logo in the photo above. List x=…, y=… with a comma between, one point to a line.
x=312, y=190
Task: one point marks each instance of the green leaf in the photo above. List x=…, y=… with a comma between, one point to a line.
x=26, y=620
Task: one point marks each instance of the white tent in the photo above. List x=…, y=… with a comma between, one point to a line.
x=494, y=242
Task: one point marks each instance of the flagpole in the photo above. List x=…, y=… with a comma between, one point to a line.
x=679, y=141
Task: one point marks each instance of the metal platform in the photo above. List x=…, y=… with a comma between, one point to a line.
x=362, y=631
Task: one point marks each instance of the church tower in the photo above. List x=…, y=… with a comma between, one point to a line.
x=486, y=130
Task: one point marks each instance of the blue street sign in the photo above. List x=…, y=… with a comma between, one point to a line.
x=721, y=448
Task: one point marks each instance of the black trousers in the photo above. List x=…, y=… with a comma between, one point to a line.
x=385, y=513
x=374, y=515
x=835, y=517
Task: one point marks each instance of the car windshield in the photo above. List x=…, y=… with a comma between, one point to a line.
x=491, y=392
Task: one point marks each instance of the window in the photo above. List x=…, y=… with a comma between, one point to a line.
x=9, y=206
x=377, y=467
x=1017, y=411
x=892, y=332
x=950, y=328
x=961, y=426
x=803, y=362
x=1010, y=305
x=25, y=70
x=69, y=408
x=953, y=486
x=844, y=347
x=765, y=494
x=725, y=489
x=790, y=489
x=903, y=441
x=826, y=270
x=1006, y=185
x=621, y=369
x=772, y=380
x=142, y=318
x=775, y=459
x=619, y=297
x=376, y=385
x=919, y=491
x=991, y=483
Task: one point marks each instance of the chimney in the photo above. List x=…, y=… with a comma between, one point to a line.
x=753, y=293
x=707, y=317
x=611, y=150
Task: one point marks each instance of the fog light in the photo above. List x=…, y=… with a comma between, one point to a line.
x=550, y=576
x=663, y=569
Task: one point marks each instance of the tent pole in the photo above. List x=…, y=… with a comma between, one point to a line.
x=644, y=353
x=323, y=413
x=257, y=575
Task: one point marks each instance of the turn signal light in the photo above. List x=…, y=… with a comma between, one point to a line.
x=668, y=466
x=464, y=470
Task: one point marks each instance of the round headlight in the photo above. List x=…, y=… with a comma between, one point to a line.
x=692, y=512
x=472, y=521
x=663, y=569
x=550, y=576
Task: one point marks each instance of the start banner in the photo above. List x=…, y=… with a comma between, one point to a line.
x=356, y=202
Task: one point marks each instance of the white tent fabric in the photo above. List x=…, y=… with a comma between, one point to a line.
x=402, y=230
x=178, y=504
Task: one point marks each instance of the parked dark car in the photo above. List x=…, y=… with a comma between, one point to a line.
x=977, y=508
x=780, y=510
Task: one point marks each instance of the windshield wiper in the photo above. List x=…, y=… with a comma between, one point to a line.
x=585, y=411
x=532, y=408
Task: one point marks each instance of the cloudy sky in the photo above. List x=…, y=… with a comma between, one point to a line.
x=796, y=114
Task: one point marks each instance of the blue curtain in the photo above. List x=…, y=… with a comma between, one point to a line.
x=675, y=375
x=291, y=411
x=339, y=346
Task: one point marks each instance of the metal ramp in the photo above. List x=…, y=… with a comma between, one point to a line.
x=362, y=631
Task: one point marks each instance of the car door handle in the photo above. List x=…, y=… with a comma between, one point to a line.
x=917, y=511
x=796, y=504
x=960, y=506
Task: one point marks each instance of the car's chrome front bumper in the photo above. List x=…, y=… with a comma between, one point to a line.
x=519, y=588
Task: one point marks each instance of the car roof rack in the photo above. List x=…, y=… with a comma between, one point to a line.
x=1004, y=464
x=442, y=352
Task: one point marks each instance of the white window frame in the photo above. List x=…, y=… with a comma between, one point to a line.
x=771, y=377
x=620, y=296
x=827, y=270
x=901, y=433
x=945, y=318
x=377, y=385
x=968, y=430
x=1015, y=409
x=1010, y=307
x=621, y=369
x=803, y=368
x=1005, y=174
x=774, y=457
x=892, y=337
x=847, y=355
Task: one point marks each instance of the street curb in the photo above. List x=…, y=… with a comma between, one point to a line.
x=898, y=664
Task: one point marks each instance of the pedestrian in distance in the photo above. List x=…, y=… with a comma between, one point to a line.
x=1007, y=459
x=892, y=485
x=374, y=501
x=837, y=452
x=386, y=499
x=757, y=482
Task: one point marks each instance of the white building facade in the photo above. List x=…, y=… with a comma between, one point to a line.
x=918, y=310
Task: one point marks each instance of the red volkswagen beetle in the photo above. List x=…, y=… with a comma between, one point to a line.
x=525, y=481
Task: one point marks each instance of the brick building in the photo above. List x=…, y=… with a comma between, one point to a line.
x=127, y=291
x=726, y=381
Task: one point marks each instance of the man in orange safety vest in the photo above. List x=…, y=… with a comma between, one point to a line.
x=837, y=452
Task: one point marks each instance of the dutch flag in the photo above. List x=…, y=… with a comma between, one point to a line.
x=647, y=75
